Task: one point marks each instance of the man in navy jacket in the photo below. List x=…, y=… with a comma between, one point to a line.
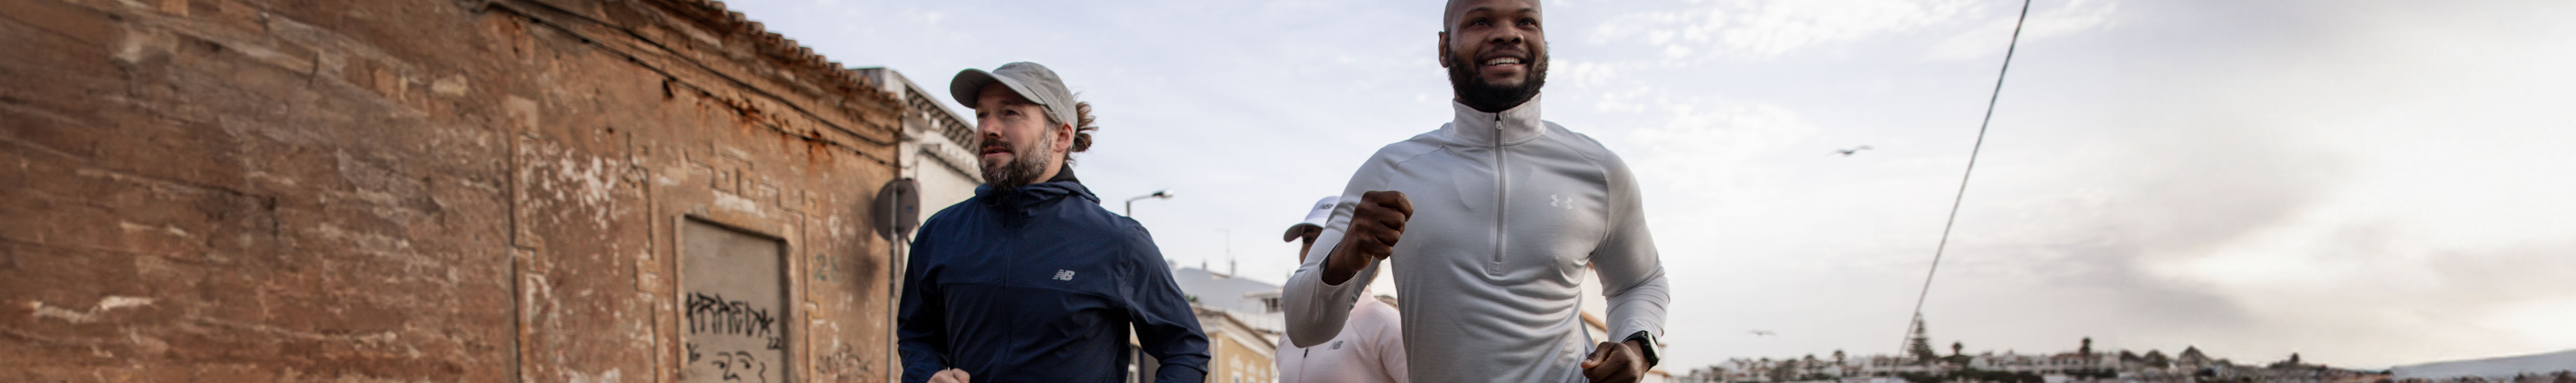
x=1033, y=281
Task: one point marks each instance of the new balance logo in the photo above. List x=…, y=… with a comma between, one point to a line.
x=1064, y=275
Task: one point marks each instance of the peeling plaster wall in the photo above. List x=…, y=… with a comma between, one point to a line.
x=419, y=190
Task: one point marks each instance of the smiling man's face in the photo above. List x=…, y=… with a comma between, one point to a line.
x=1496, y=52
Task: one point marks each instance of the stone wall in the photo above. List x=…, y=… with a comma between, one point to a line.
x=430, y=190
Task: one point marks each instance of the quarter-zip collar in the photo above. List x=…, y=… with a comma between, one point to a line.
x=1511, y=127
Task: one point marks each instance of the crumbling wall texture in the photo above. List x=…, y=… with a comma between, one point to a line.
x=417, y=190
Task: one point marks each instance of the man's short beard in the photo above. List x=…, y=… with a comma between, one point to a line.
x=1491, y=98
x=1022, y=170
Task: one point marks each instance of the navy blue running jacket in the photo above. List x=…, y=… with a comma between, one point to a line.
x=1040, y=284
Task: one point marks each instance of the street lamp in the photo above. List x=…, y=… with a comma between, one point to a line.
x=1158, y=194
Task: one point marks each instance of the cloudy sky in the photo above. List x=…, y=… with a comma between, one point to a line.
x=2365, y=183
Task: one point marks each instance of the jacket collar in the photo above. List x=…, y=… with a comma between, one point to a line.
x=1026, y=198
x=1511, y=127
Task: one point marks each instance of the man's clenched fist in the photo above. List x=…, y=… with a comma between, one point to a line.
x=949, y=376
x=1615, y=362
x=1376, y=224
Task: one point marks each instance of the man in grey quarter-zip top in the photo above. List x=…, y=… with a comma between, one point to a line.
x=1491, y=223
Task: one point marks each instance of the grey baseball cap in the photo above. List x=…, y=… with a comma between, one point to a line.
x=1029, y=79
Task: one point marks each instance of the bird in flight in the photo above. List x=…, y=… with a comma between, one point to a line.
x=1853, y=150
x=1763, y=333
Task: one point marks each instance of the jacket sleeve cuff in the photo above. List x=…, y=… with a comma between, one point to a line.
x=1179, y=374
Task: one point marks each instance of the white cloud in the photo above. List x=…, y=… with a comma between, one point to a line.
x=1582, y=74
x=1750, y=30
x=1762, y=30
x=1988, y=40
x=1697, y=140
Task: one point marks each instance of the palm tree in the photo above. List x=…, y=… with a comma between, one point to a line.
x=1954, y=348
x=2087, y=350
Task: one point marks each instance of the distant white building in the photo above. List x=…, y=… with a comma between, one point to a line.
x=933, y=151
x=2113, y=366
x=2500, y=368
x=2041, y=364
x=1256, y=303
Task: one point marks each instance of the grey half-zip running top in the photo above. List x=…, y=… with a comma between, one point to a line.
x=1509, y=211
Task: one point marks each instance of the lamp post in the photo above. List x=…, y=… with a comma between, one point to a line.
x=1158, y=194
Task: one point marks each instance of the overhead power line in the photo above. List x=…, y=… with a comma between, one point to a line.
x=1962, y=195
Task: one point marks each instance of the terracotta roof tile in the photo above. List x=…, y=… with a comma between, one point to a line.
x=811, y=67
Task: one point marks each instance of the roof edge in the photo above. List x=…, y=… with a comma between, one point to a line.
x=826, y=74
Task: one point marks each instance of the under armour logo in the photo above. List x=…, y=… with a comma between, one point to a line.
x=1560, y=202
x=1064, y=275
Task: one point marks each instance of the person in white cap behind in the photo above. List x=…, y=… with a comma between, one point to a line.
x=1370, y=348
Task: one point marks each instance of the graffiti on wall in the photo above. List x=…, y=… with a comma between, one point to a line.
x=845, y=366
x=733, y=318
x=712, y=314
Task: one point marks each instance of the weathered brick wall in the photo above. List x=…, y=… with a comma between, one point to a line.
x=418, y=190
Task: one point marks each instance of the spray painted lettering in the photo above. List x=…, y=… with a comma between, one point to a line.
x=712, y=314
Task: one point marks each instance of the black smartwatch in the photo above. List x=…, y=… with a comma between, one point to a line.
x=1646, y=346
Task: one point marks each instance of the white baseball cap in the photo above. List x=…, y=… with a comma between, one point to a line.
x=1316, y=216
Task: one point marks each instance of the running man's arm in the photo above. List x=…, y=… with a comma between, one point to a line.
x=1315, y=308
x=1164, y=325
x=921, y=331
x=1632, y=274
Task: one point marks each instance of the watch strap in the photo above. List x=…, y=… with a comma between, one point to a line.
x=1646, y=347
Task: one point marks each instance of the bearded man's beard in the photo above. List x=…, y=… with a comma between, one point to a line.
x=1024, y=167
x=1476, y=93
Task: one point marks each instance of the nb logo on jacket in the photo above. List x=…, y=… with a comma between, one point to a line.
x=1064, y=275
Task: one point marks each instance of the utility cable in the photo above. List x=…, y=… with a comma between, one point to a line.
x=1962, y=195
